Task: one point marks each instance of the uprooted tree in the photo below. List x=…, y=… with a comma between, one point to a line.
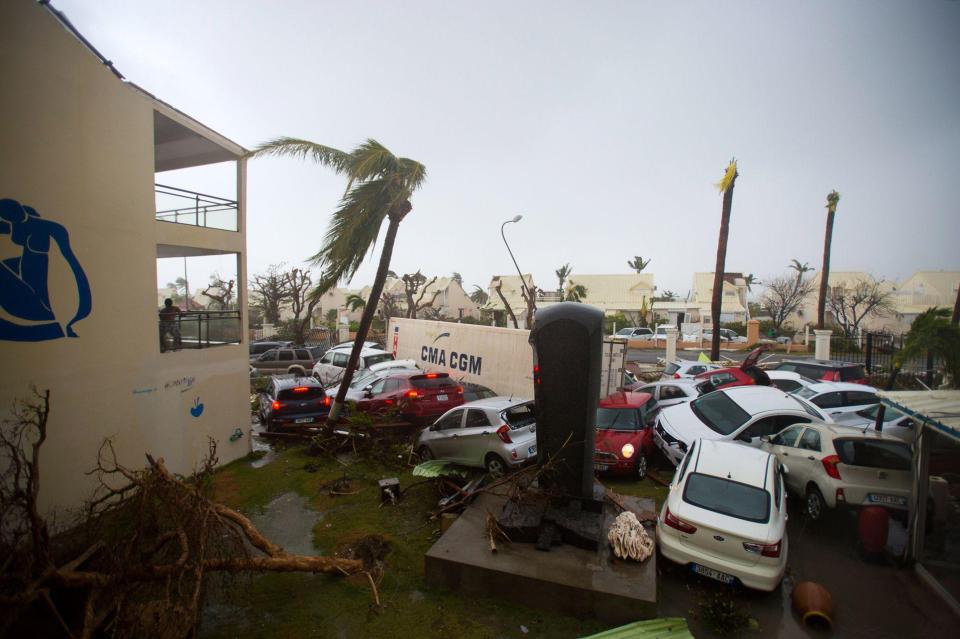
x=135, y=563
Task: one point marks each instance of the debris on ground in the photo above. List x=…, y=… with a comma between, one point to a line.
x=629, y=539
x=665, y=628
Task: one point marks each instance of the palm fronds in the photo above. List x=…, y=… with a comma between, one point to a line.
x=728, y=177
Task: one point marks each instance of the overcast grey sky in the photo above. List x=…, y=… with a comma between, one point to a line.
x=606, y=124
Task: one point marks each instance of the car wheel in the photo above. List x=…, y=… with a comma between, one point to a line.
x=425, y=453
x=640, y=470
x=297, y=370
x=815, y=505
x=495, y=465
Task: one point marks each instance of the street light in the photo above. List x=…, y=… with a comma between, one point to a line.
x=523, y=283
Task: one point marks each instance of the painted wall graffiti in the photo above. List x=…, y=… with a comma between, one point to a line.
x=24, y=289
x=197, y=409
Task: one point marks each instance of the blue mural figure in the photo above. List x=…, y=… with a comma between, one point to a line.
x=24, y=292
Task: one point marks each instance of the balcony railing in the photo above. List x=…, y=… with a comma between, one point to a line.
x=196, y=209
x=200, y=329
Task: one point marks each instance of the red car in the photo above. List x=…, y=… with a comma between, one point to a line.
x=624, y=436
x=420, y=397
x=746, y=374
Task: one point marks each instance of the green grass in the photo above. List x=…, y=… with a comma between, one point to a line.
x=300, y=605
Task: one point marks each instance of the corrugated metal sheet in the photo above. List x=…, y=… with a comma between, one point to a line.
x=665, y=628
x=938, y=409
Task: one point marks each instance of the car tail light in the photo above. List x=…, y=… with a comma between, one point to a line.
x=513, y=454
x=300, y=389
x=674, y=522
x=504, y=434
x=536, y=374
x=764, y=550
x=459, y=390
x=830, y=465
x=841, y=498
x=326, y=400
x=413, y=394
x=276, y=405
x=831, y=376
x=676, y=375
x=431, y=375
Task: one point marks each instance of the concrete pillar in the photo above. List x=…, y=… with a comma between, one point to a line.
x=671, y=343
x=823, y=344
x=753, y=331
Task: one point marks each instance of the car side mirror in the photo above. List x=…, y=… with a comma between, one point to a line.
x=744, y=437
x=367, y=392
x=784, y=470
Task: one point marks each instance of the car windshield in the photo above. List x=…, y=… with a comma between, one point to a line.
x=805, y=393
x=436, y=381
x=376, y=359
x=813, y=412
x=671, y=369
x=874, y=454
x=888, y=416
x=728, y=497
x=302, y=393
x=625, y=331
x=618, y=419
x=720, y=413
x=363, y=380
x=520, y=416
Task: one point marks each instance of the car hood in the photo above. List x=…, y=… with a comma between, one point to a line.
x=682, y=424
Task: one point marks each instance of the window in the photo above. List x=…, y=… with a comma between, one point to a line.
x=874, y=454
x=392, y=386
x=286, y=356
x=340, y=360
x=370, y=360
x=765, y=426
x=476, y=419
x=696, y=370
x=810, y=410
x=327, y=359
x=305, y=393
x=683, y=467
x=303, y=353
x=786, y=385
x=720, y=413
x=727, y=497
x=450, y=420
x=718, y=379
x=776, y=483
x=671, y=392
x=626, y=419
x=269, y=356
x=377, y=387
x=810, y=440
x=855, y=398
x=851, y=373
x=671, y=369
x=828, y=400
x=520, y=416
x=787, y=437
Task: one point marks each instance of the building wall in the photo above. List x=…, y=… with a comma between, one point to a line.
x=78, y=148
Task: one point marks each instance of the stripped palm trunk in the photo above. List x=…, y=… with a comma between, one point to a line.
x=832, y=200
x=726, y=187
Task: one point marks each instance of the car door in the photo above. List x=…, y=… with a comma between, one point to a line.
x=446, y=431
x=769, y=425
x=475, y=438
x=831, y=403
x=371, y=400
x=783, y=445
x=337, y=367
x=267, y=362
x=285, y=360
x=807, y=458
x=322, y=369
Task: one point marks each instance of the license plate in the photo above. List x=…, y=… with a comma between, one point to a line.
x=601, y=467
x=441, y=398
x=890, y=500
x=713, y=574
x=303, y=420
x=531, y=451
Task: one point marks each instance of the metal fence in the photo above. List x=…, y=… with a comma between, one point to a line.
x=200, y=329
x=878, y=352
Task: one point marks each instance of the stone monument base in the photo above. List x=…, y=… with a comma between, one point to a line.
x=566, y=580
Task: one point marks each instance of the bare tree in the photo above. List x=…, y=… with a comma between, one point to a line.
x=269, y=291
x=785, y=294
x=390, y=306
x=850, y=306
x=506, y=305
x=221, y=292
x=303, y=299
x=415, y=287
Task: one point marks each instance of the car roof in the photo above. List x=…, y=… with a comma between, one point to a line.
x=827, y=363
x=393, y=363
x=625, y=400
x=846, y=432
x=832, y=387
x=495, y=403
x=683, y=381
x=733, y=461
x=759, y=399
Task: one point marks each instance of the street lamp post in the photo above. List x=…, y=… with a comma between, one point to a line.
x=523, y=283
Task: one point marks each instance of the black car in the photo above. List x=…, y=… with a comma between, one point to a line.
x=825, y=370
x=289, y=403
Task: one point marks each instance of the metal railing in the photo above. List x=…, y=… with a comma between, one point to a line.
x=181, y=206
x=199, y=329
x=878, y=352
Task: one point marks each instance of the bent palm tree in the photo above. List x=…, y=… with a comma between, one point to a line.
x=562, y=274
x=479, y=296
x=354, y=301
x=832, y=200
x=726, y=188
x=379, y=186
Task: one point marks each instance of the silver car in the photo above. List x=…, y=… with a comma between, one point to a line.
x=497, y=433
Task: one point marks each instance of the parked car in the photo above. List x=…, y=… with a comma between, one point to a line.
x=472, y=392
x=624, y=433
x=294, y=361
x=838, y=398
x=788, y=381
x=635, y=332
x=725, y=515
x=671, y=392
x=292, y=402
x=660, y=333
x=366, y=377
x=742, y=414
x=824, y=370
x=261, y=347
x=417, y=397
x=331, y=366
x=687, y=369
x=746, y=374
x=831, y=466
x=497, y=433
x=349, y=346
x=895, y=422
x=726, y=335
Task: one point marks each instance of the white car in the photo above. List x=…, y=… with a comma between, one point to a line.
x=895, y=422
x=634, y=332
x=726, y=335
x=830, y=466
x=687, y=369
x=497, y=433
x=331, y=366
x=725, y=516
x=741, y=414
x=837, y=398
x=789, y=381
x=671, y=392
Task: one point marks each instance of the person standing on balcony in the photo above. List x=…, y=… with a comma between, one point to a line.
x=169, y=324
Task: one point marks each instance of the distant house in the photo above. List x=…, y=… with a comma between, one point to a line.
x=843, y=281
x=511, y=288
x=448, y=298
x=922, y=290
x=696, y=308
x=627, y=293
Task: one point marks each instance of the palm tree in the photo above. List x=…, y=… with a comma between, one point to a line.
x=479, y=296
x=638, y=263
x=562, y=274
x=933, y=334
x=354, y=301
x=750, y=280
x=726, y=189
x=576, y=293
x=379, y=186
x=832, y=200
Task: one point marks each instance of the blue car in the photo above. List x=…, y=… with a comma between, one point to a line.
x=291, y=403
